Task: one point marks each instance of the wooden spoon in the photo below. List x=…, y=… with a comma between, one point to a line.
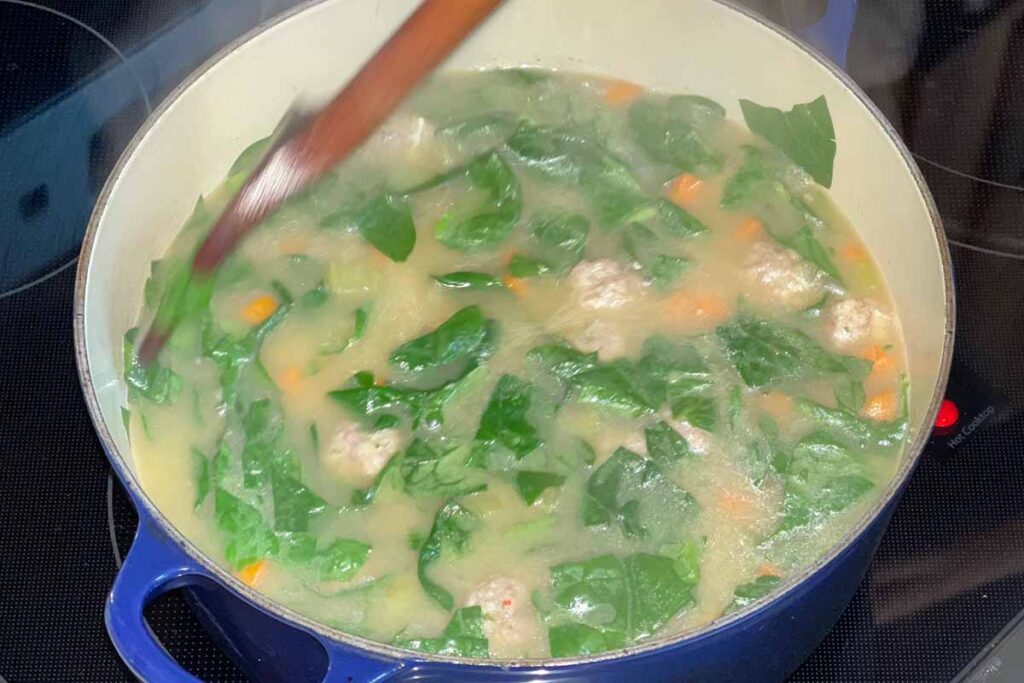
x=428, y=36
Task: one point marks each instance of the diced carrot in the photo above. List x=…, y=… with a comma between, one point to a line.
x=736, y=504
x=622, y=92
x=380, y=381
x=769, y=569
x=685, y=189
x=379, y=259
x=853, y=253
x=882, y=407
x=883, y=367
x=682, y=307
x=293, y=245
x=289, y=380
x=750, y=229
x=873, y=353
x=259, y=309
x=250, y=574
x=516, y=285
x=507, y=257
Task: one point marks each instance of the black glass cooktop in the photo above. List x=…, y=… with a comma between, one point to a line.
x=77, y=78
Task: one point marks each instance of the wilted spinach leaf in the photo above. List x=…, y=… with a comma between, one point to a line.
x=614, y=602
x=673, y=132
x=452, y=527
x=294, y=503
x=429, y=471
x=465, y=335
x=531, y=484
x=678, y=220
x=634, y=493
x=607, y=184
x=469, y=280
x=157, y=383
x=386, y=223
x=462, y=637
x=249, y=537
x=505, y=422
x=765, y=352
x=753, y=591
x=665, y=445
x=527, y=266
x=561, y=238
x=495, y=220
x=341, y=559
x=805, y=133
x=700, y=411
x=807, y=245
x=369, y=402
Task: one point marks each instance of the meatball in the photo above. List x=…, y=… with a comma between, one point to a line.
x=603, y=338
x=357, y=456
x=781, y=276
x=604, y=284
x=852, y=323
x=510, y=622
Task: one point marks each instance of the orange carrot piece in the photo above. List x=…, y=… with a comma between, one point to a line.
x=289, y=380
x=622, y=92
x=250, y=574
x=700, y=307
x=516, y=285
x=293, y=245
x=881, y=407
x=750, y=230
x=769, y=569
x=685, y=189
x=853, y=253
x=259, y=309
x=873, y=353
x=735, y=504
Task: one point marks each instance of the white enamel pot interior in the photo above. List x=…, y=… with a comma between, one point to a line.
x=699, y=46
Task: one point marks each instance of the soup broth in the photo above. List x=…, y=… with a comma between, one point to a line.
x=551, y=366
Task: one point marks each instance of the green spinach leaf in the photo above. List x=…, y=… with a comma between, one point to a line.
x=462, y=637
x=765, y=353
x=606, y=183
x=634, y=493
x=341, y=559
x=429, y=471
x=527, y=266
x=156, y=383
x=386, y=223
x=506, y=422
x=294, y=503
x=465, y=335
x=805, y=134
x=468, y=280
x=753, y=591
x=450, y=532
x=493, y=222
x=531, y=484
x=613, y=601
x=699, y=411
x=666, y=131
x=665, y=445
x=561, y=237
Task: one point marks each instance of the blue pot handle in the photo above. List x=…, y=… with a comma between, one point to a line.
x=154, y=565
x=831, y=35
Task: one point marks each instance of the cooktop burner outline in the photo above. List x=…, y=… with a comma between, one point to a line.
x=58, y=173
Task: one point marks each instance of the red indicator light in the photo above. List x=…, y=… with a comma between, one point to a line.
x=948, y=414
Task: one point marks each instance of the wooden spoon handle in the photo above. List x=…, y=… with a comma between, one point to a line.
x=428, y=36
x=435, y=29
